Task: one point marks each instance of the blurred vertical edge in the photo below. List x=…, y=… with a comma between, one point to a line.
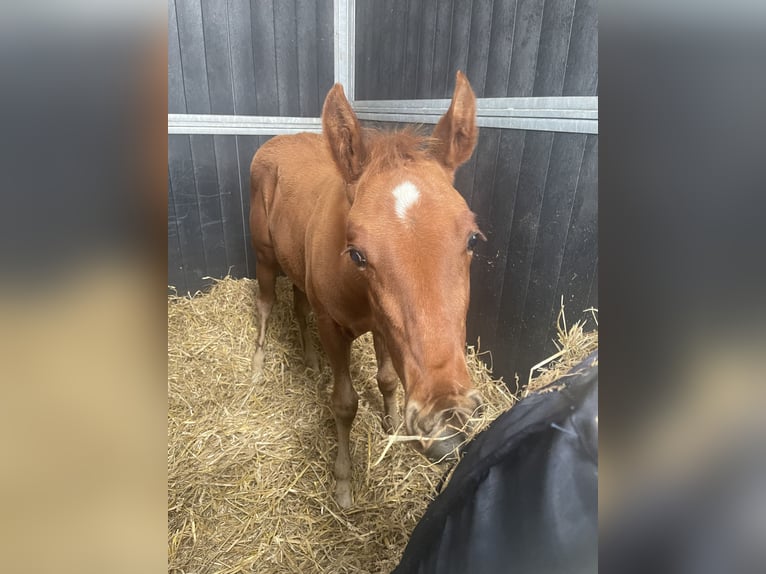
x=83, y=199
x=682, y=321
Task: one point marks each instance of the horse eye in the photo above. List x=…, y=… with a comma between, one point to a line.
x=358, y=258
x=472, y=241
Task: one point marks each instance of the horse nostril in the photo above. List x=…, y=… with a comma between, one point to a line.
x=477, y=400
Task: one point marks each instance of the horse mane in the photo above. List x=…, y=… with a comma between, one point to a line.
x=389, y=149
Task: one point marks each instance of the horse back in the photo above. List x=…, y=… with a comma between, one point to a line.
x=289, y=177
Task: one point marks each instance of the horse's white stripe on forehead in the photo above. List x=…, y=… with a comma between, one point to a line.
x=406, y=195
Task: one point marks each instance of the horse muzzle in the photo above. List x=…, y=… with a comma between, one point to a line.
x=443, y=448
x=440, y=432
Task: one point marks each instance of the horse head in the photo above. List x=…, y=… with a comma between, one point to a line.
x=410, y=238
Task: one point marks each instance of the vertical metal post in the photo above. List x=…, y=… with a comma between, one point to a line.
x=344, y=33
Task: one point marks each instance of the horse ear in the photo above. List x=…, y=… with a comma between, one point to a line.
x=344, y=134
x=456, y=133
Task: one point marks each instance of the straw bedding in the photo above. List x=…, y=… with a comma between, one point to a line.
x=250, y=465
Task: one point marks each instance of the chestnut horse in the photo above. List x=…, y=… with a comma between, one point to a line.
x=374, y=237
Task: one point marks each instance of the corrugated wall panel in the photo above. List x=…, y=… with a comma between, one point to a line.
x=582, y=59
x=555, y=32
x=215, y=25
x=258, y=58
x=478, y=52
x=208, y=207
x=246, y=148
x=176, y=98
x=489, y=269
x=526, y=46
x=427, y=35
x=264, y=57
x=324, y=52
x=176, y=276
x=500, y=41
x=209, y=204
x=524, y=226
x=193, y=64
x=226, y=164
x=549, y=244
x=184, y=196
x=507, y=47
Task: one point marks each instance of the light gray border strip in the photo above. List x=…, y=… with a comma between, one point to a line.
x=584, y=103
x=344, y=45
x=560, y=114
x=515, y=113
x=240, y=125
x=275, y=125
x=569, y=125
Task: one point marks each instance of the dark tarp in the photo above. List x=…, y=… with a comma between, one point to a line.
x=525, y=496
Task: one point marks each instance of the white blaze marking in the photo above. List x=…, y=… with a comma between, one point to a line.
x=406, y=195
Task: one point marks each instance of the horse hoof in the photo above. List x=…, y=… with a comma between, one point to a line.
x=312, y=364
x=343, y=494
x=257, y=365
x=391, y=423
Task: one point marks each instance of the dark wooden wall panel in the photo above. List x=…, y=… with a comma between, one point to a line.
x=227, y=169
x=427, y=33
x=265, y=57
x=500, y=42
x=209, y=204
x=478, y=52
x=208, y=208
x=176, y=98
x=306, y=31
x=176, y=276
x=459, y=42
x=187, y=215
x=507, y=48
x=555, y=32
x=582, y=59
x=215, y=25
x=286, y=46
x=242, y=64
x=489, y=269
x=325, y=51
x=442, y=40
x=412, y=49
x=526, y=45
x=193, y=63
x=524, y=226
x=579, y=265
x=549, y=242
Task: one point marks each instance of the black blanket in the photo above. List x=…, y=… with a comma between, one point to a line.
x=524, y=497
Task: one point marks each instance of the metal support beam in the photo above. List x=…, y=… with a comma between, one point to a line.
x=240, y=125
x=516, y=123
x=345, y=42
x=488, y=106
x=558, y=114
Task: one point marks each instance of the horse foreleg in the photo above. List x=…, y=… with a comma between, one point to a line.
x=344, y=402
x=267, y=278
x=387, y=383
x=302, y=309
